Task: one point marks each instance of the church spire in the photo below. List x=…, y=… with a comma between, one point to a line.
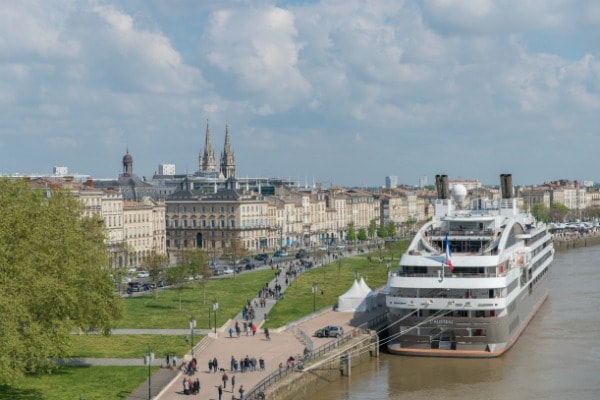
x=206, y=160
x=227, y=157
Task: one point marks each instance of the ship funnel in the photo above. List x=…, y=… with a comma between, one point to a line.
x=441, y=184
x=506, y=186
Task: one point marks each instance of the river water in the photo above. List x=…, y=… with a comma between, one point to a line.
x=557, y=357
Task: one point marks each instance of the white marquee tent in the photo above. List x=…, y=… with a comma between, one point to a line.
x=358, y=298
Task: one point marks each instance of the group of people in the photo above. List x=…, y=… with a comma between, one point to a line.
x=246, y=364
x=191, y=367
x=190, y=386
x=249, y=327
x=241, y=391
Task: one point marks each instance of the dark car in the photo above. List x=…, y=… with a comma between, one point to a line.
x=134, y=287
x=249, y=266
x=261, y=257
x=301, y=253
x=162, y=283
x=148, y=286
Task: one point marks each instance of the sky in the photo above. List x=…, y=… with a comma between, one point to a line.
x=343, y=92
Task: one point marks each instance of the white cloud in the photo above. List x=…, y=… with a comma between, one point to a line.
x=297, y=77
x=258, y=49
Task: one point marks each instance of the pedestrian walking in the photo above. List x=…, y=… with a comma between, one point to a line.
x=220, y=391
x=224, y=378
x=230, y=332
x=253, y=329
x=210, y=366
x=232, y=383
x=186, y=386
x=241, y=391
x=174, y=360
x=215, y=364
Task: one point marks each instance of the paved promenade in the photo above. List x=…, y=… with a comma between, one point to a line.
x=168, y=384
x=281, y=346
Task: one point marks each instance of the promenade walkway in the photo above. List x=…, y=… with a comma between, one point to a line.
x=223, y=347
x=167, y=383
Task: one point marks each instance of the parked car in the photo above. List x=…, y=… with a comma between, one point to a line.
x=330, y=331
x=261, y=257
x=249, y=266
x=134, y=287
x=280, y=253
x=301, y=253
x=228, y=270
x=148, y=286
x=143, y=274
x=162, y=283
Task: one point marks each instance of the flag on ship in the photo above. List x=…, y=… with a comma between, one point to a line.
x=448, y=255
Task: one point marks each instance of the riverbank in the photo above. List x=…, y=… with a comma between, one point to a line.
x=564, y=242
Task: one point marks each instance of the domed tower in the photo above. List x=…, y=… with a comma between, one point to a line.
x=206, y=160
x=127, y=164
x=227, y=157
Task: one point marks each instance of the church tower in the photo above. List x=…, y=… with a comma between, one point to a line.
x=206, y=160
x=227, y=157
x=127, y=164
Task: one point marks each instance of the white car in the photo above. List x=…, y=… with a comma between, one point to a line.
x=143, y=274
x=227, y=270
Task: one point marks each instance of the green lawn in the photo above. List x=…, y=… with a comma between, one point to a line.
x=89, y=383
x=129, y=346
x=331, y=281
x=167, y=312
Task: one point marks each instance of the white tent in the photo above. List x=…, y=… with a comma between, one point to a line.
x=371, y=299
x=355, y=299
x=363, y=285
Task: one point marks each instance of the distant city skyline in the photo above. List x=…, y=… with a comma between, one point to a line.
x=344, y=92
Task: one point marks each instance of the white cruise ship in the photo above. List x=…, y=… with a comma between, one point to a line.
x=471, y=279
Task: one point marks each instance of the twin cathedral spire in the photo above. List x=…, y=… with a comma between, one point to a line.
x=207, y=161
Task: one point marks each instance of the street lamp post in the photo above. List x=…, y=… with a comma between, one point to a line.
x=314, y=289
x=192, y=326
x=148, y=358
x=215, y=307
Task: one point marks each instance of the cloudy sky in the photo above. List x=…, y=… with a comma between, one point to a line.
x=338, y=91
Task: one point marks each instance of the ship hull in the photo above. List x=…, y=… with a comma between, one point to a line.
x=501, y=332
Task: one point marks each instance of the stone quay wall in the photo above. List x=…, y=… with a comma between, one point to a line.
x=572, y=241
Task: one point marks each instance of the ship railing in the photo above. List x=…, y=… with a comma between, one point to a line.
x=257, y=392
x=452, y=274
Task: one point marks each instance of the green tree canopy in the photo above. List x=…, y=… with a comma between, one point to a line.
x=54, y=278
x=372, y=229
x=351, y=234
x=391, y=229
x=157, y=267
x=382, y=232
x=362, y=234
x=558, y=212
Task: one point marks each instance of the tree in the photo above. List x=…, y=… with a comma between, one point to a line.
x=178, y=277
x=351, y=233
x=195, y=262
x=382, y=232
x=540, y=212
x=339, y=263
x=235, y=252
x=157, y=266
x=372, y=229
x=558, y=212
x=362, y=234
x=391, y=229
x=54, y=278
